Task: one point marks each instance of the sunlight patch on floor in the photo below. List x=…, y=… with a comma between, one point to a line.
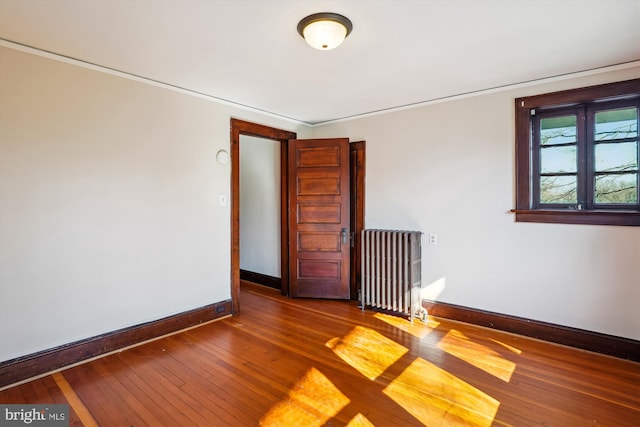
x=478, y=355
x=437, y=398
x=367, y=351
x=360, y=421
x=416, y=328
x=312, y=401
x=507, y=346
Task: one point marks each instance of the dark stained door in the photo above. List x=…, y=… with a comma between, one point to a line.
x=319, y=218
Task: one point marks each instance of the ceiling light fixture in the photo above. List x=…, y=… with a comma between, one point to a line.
x=325, y=31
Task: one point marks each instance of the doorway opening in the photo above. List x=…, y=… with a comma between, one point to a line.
x=282, y=138
x=260, y=211
x=241, y=127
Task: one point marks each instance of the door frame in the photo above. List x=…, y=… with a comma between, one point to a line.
x=357, y=151
x=241, y=127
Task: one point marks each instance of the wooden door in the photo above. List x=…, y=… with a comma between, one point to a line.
x=319, y=218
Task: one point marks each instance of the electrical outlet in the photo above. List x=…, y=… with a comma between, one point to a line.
x=220, y=309
x=433, y=239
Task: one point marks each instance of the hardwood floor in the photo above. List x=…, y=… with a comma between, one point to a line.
x=293, y=362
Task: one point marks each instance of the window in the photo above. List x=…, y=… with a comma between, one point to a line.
x=578, y=156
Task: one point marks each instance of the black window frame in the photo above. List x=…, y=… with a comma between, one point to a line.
x=582, y=101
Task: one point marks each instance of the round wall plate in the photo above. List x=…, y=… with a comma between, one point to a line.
x=222, y=156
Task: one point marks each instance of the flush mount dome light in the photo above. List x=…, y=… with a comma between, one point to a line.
x=325, y=30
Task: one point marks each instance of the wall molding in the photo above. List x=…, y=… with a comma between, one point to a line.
x=623, y=348
x=487, y=91
x=32, y=365
x=261, y=279
x=141, y=79
x=35, y=364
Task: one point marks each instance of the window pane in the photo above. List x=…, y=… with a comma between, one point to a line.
x=558, y=159
x=616, y=124
x=558, y=130
x=558, y=189
x=617, y=188
x=617, y=157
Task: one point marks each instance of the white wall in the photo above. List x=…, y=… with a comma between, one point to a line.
x=448, y=168
x=260, y=205
x=109, y=213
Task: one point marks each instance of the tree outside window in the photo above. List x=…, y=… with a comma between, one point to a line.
x=577, y=156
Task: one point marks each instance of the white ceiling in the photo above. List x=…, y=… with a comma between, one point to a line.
x=400, y=52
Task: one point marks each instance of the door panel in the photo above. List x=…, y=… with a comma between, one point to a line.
x=319, y=205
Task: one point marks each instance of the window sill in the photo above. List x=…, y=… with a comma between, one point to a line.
x=609, y=217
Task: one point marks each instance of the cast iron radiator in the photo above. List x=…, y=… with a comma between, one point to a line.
x=391, y=271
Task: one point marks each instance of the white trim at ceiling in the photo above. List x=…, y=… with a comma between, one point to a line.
x=114, y=72
x=577, y=74
x=140, y=79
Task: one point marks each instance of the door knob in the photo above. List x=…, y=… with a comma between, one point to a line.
x=345, y=236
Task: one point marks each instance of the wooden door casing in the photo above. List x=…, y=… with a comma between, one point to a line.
x=357, y=173
x=237, y=128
